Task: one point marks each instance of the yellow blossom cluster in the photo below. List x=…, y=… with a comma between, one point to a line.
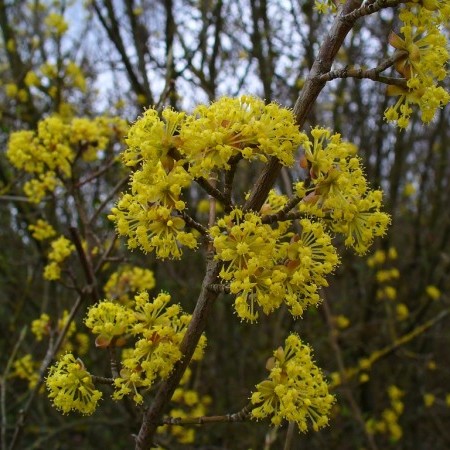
x=268, y=266
x=386, y=273
x=127, y=281
x=41, y=230
x=156, y=329
x=169, y=152
x=56, y=24
x=433, y=292
x=422, y=56
x=339, y=194
x=26, y=368
x=71, y=387
x=187, y=403
x=49, y=153
x=61, y=249
x=295, y=389
x=388, y=423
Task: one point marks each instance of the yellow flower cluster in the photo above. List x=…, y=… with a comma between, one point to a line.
x=157, y=330
x=61, y=249
x=127, y=281
x=109, y=321
x=433, y=292
x=295, y=389
x=188, y=403
x=42, y=230
x=269, y=266
x=339, y=194
x=71, y=387
x=388, y=424
x=424, y=62
x=49, y=153
x=27, y=369
x=41, y=327
x=231, y=126
x=386, y=274
x=168, y=153
x=56, y=24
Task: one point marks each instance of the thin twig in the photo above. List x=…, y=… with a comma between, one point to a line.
x=240, y=416
x=289, y=436
x=113, y=361
x=211, y=190
x=194, y=224
x=86, y=264
x=342, y=371
x=111, y=195
x=219, y=288
x=371, y=8
x=48, y=359
x=228, y=184
x=96, y=174
x=102, y=380
x=283, y=213
x=371, y=74
x=3, y=382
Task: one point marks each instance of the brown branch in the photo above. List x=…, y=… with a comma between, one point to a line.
x=228, y=183
x=240, y=416
x=211, y=190
x=102, y=380
x=311, y=90
x=118, y=187
x=371, y=74
x=371, y=8
x=195, y=329
x=219, y=288
x=86, y=264
x=283, y=213
x=194, y=224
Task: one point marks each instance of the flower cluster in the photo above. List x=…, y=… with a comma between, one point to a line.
x=26, y=368
x=157, y=330
x=168, y=153
x=295, y=389
x=71, y=387
x=388, y=423
x=268, y=266
x=61, y=249
x=242, y=126
x=127, y=281
x=41, y=230
x=49, y=153
x=339, y=194
x=187, y=403
x=422, y=57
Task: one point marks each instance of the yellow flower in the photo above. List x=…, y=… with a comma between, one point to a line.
x=433, y=292
x=71, y=388
x=401, y=311
x=56, y=24
x=295, y=389
x=42, y=230
x=428, y=400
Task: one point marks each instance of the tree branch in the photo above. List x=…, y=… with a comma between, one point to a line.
x=195, y=329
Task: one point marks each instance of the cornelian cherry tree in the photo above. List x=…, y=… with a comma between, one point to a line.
x=261, y=250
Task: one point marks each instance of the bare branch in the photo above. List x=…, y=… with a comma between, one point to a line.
x=240, y=416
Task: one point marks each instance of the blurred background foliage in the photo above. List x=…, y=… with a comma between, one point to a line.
x=384, y=321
